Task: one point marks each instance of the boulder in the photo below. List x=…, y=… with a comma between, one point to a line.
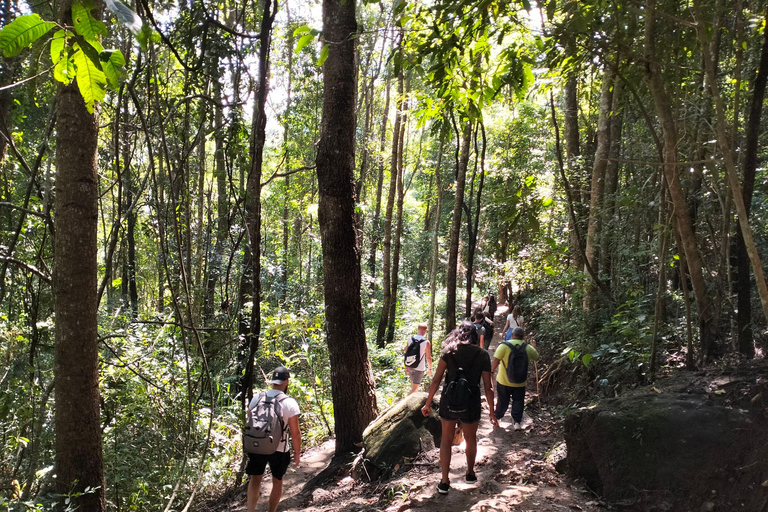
x=683, y=445
x=400, y=432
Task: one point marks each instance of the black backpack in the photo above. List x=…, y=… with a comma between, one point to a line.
x=459, y=391
x=517, y=363
x=488, y=332
x=413, y=353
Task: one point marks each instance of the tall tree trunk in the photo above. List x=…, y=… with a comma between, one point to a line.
x=436, y=238
x=222, y=217
x=79, y=457
x=611, y=182
x=376, y=223
x=730, y=164
x=453, y=248
x=708, y=328
x=253, y=202
x=130, y=227
x=386, y=261
x=394, y=281
x=573, y=153
x=354, y=396
x=284, y=272
x=598, y=180
x=473, y=222
x=744, y=301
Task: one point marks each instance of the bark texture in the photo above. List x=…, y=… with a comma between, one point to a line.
x=354, y=397
x=453, y=248
x=79, y=458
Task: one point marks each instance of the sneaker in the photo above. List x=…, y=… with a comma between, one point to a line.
x=442, y=488
x=518, y=426
x=470, y=478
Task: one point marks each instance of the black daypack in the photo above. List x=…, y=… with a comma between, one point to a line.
x=459, y=391
x=413, y=353
x=488, y=332
x=264, y=427
x=517, y=363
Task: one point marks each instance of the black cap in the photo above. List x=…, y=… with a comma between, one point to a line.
x=280, y=375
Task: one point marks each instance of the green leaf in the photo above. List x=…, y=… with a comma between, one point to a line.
x=85, y=24
x=58, y=42
x=304, y=41
x=117, y=282
x=300, y=31
x=22, y=32
x=586, y=359
x=323, y=55
x=125, y=15
x=90, y=79
x=64, y=68
x=113, y=65
x=144, y=36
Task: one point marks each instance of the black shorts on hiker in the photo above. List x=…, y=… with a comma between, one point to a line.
x=470, y=416
x=278, y=464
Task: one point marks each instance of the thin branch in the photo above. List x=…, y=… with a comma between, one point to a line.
x=22, y=209
x=20, y=82
x=287, y=173
x=31, y=268
x=229, y=30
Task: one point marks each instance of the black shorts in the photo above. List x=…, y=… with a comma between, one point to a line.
x=472, y=415
x=278, y=464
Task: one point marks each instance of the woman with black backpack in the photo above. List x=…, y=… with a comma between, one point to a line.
x=463, y=363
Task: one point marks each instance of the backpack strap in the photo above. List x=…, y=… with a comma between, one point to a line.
x=279, y=399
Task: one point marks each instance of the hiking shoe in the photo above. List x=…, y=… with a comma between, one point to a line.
x=470, y=478
x=518, y=426
x=442, y=488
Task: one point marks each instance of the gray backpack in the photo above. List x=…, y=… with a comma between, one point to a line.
x=264, y=427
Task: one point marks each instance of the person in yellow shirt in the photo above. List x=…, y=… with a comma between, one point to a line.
x=511, y=379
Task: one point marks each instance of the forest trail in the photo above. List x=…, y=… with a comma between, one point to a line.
x=515, y=470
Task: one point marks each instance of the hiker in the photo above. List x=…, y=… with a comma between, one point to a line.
x=417, y=349
x=488, y=325
x=280, y=458
x=463, y=363
x=478, y=319
x=491, y=307
x=514, y=319
x=513, y=355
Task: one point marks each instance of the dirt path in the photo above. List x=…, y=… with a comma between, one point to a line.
x=515, y=471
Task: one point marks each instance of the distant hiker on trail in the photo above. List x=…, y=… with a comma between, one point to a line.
x=463, y=363
x=478, y=320
x=490, y=307
x=417, y=350
x=272, y=417
x=514, y=319
x=513, y=355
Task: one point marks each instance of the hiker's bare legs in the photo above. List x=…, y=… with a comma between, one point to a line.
x=414, y=388
x=274, y=496
x=254, y=488
x=446, y=445
x=470, y=438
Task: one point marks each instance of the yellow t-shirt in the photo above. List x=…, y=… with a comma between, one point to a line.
x=502, y=354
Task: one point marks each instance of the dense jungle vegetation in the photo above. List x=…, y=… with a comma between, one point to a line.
x=192, y=193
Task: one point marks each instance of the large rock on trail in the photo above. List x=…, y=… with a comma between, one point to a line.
x=400, y=432
x=683, y=445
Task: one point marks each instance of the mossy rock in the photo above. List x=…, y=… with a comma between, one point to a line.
x=400, y=432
